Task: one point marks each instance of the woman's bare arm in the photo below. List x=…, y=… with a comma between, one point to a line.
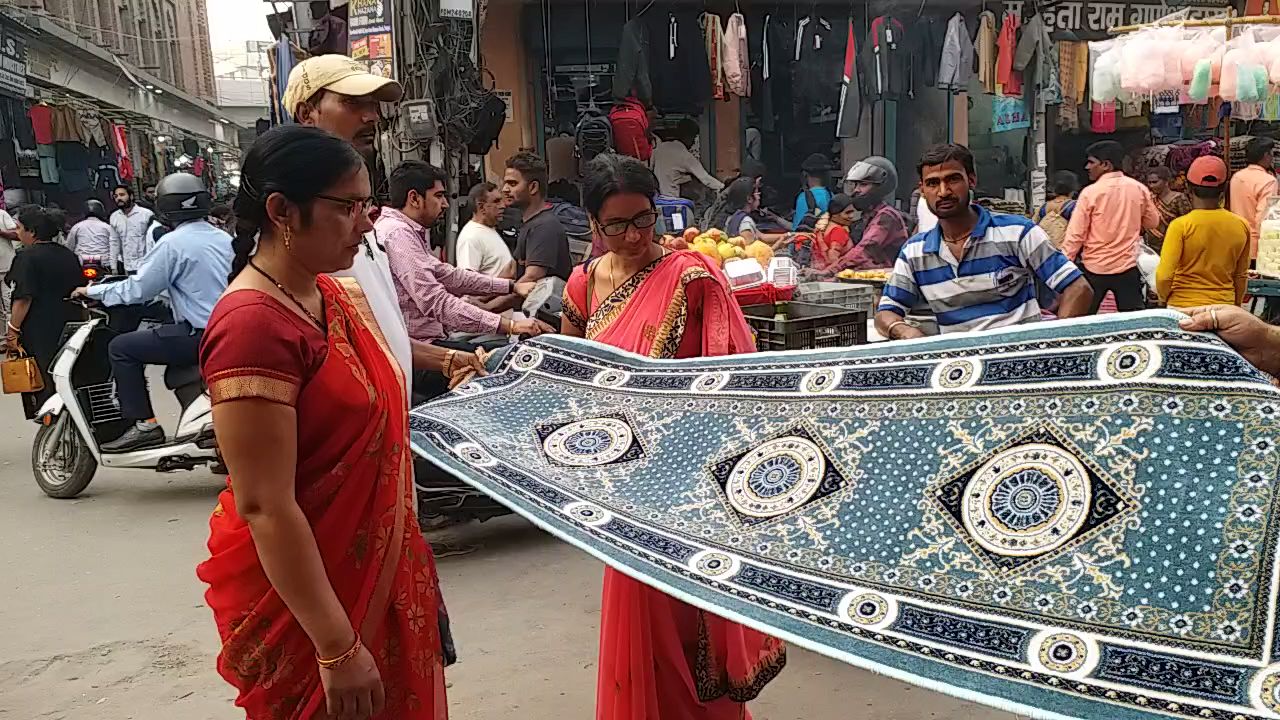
x=258, y=440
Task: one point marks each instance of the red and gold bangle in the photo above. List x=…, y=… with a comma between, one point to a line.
x=331, y=663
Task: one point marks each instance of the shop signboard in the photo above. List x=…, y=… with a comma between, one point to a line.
x=1009, y=113
x=1090, y=20
x=13, y=62
x=370, y=35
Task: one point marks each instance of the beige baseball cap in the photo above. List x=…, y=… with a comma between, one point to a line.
x=340, y=74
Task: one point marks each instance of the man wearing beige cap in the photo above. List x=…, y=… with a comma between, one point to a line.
x=338, y=94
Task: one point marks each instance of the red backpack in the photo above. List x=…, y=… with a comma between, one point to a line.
x=631, y=129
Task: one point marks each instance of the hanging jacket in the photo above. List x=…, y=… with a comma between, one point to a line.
x=713, y=34
x=924, y=48
x=770, y=46
x=817, y=68
x=886, y=61
x=1036, y=44
x=1010, y=80
x=985, y=45
x=737, y=63
x=678, y=62
x=632, y=75
x=955, y=67
x=849, y=120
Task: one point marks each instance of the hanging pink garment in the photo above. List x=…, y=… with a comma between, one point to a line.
x=1103, y=117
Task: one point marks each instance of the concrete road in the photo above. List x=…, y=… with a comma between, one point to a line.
x=102, y=617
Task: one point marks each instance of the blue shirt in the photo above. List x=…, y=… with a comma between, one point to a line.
x=191, y=263
x=991, y=286
x=821, y=195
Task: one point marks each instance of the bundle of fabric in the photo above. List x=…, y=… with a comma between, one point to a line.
x=1067, y=520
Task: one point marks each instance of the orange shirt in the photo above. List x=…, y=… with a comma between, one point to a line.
x=1250, y=188
x=1107, y=223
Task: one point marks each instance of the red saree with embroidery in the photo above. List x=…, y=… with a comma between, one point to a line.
x=660, y=658
x=353, y=483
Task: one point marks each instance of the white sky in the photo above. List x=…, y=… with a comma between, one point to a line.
x=233, y=22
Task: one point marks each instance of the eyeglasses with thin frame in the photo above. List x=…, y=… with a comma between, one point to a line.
x=354, y=206
x=643, y=221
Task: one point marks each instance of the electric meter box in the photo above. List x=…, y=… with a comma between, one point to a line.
x=419, y=118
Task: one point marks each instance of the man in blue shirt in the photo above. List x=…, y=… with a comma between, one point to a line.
x=812, y=202
x=191, y=265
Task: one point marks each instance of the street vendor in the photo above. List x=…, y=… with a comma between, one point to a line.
x=975, y=269
x=877, y=237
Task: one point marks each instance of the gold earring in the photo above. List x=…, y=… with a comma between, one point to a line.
x=288, y=238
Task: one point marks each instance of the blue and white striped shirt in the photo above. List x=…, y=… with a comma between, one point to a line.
x=994, y=286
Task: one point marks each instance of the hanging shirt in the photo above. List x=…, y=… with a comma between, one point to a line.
x=713, y=33
x=42, y=123
x=737, y=64
x=131, y=228
x=956, y=65
x=986, y=47
x=1010, y=80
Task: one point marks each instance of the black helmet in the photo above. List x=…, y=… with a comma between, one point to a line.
x=95, y=208
x=876, y=170
x=182, y=197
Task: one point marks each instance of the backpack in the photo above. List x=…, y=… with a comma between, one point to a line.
x=1053, y=220
x=574, y=219
x=630, y=125
x=812, y=213
x=489, y=120
x=593, y=135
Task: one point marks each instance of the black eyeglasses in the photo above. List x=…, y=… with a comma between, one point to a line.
x=354, y=206
x=643, y=221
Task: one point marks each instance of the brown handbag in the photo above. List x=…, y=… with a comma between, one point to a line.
x=20, y=373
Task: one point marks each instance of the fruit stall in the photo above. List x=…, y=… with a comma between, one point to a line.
x=785, y=313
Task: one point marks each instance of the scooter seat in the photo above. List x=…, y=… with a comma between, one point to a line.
x=177, y=376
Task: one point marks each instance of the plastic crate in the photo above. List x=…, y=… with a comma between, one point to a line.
x=854, y=297
x=806, y=326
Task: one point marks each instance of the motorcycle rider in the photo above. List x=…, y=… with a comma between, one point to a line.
x=879, y=234
x=192, y=265
x=93, y=236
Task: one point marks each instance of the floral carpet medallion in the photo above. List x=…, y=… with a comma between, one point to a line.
x=1067, y=520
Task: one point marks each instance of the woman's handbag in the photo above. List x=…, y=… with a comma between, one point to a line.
x=21, y=373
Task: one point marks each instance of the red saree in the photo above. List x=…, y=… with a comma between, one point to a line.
x=660, y=658
x=353, y=482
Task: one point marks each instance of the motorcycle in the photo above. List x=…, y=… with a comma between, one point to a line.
x=443, y=499
x=84, y=414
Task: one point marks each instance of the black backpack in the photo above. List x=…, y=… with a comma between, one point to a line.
x=594, y=135
x=574, y=219
x=489, y=120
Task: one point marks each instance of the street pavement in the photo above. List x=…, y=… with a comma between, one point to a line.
x=102, y=617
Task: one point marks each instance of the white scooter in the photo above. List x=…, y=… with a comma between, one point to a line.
x=84, y=414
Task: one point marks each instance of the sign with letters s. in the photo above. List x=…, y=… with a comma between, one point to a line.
x=13, y=62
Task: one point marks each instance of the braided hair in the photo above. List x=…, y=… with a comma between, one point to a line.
x=296, y=161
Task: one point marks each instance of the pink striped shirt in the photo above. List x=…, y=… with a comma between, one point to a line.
x=429, y=288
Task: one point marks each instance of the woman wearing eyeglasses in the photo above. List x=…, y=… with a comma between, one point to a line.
x=660, y=659
x=324, y=592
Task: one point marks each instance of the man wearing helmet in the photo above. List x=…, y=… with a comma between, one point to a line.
x=878, y=236
x=93, y=236
x=191, y=265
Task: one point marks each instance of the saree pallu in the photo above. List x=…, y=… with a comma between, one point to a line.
x=660, y=658
x=1169, y=211
x=354, y=484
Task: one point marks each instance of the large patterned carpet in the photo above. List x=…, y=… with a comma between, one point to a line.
x=1068, y=520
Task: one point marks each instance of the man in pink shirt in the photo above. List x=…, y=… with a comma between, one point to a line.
x=1106, y=228
x=1252, y=185
x=430, y=290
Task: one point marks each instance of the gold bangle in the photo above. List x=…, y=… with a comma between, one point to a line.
x=893, y=326
x=331, y=663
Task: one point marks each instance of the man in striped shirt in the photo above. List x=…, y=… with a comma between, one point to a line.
x=976, y=270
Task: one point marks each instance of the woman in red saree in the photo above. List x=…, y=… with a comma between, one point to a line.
x=323, y=590
x=660, y=658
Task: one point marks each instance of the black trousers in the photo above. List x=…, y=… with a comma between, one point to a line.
x=132, y=352
x=1128, y=287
